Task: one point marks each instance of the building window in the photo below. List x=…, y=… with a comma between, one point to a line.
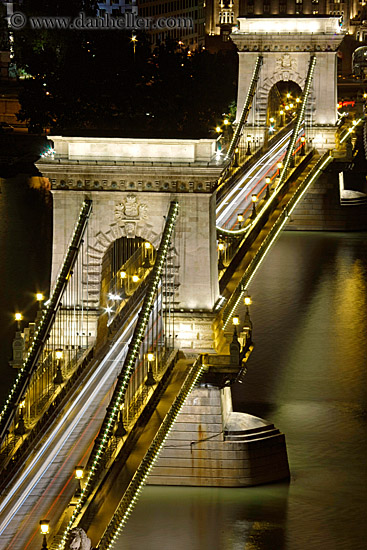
x=299, y=6
x=282, y=6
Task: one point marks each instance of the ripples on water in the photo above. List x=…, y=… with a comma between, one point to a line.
x=307, y=375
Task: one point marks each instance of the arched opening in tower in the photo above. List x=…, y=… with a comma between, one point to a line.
x=283, y=100
x=125, y=267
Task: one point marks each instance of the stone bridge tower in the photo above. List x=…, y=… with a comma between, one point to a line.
x=285, y=44
x=131, y=183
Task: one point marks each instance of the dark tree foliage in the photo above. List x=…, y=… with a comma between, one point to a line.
x=92, y=81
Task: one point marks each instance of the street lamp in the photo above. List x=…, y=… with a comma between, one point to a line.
x=221, y=248
x=146, y=263
x=218, y=129
x=79, y=474
x=58, y=377
x=18, y=317
x=253, y=199
x=248, y=145
x=150, y=378
x=268, y=183
x=135, y=278
x=280, y=166
x=20, y=430
x=236, y=151
x=134, y=41
x=40, y=297
x=45, y=528
x=240, y=220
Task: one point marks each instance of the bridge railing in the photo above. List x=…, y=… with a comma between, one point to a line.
x=138, y=369
x=122, y=513
x=241, y=288
x=48, y=359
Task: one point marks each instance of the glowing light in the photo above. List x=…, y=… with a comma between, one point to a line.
x=280, y=165
x=247, y=301
x=271, y=120
x=288, y=95
x=44, y=526
x=298, y=99
x=291, y=105
x=240, y=218
x=39, y=297
x=221, y=246
x=226, y=122
x=108, y=309
x=253, y=198
x=59, y=354
x=218, y=129
x=281, y=112
x=135, y=278
x=123, y=274
x=268, y=180
x=147, y=245
x=150, y=357
x=287, y=107
x=18, y=316
x=235, y=321
x=79, y=472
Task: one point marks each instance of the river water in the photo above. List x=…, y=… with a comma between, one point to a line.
x=307, y=375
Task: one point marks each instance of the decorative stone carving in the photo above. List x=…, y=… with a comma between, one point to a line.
x=80, y=540
x=286, y=65
x=129, y=213
x=131, y=209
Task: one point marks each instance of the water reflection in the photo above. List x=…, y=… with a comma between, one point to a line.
x=308, y=376
x=201, y=518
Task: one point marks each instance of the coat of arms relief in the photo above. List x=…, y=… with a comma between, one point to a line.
x=129, y=213
x=286, y=65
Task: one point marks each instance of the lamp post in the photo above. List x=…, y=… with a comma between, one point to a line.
x=235, y=347
x=40, y=297
x=58, y=377
x=79, y=474
x=134, y=41
x=253, y=213
x=248, y=145
x=146, y=263
x=303, y=143
x=221, y=248
x=280, y=166
x=235, y=163
x=247, y=324
x=150, y=378
x=240, y=220
x=18, y=318
x=268, y=183
x=20, y=430
x=45, y=528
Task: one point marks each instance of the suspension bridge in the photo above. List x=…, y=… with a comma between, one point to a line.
x=155, y=245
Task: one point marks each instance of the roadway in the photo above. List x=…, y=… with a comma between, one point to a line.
x=44, y=486
x=238, y=199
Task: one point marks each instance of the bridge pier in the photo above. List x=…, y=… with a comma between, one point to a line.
x=212, y=446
